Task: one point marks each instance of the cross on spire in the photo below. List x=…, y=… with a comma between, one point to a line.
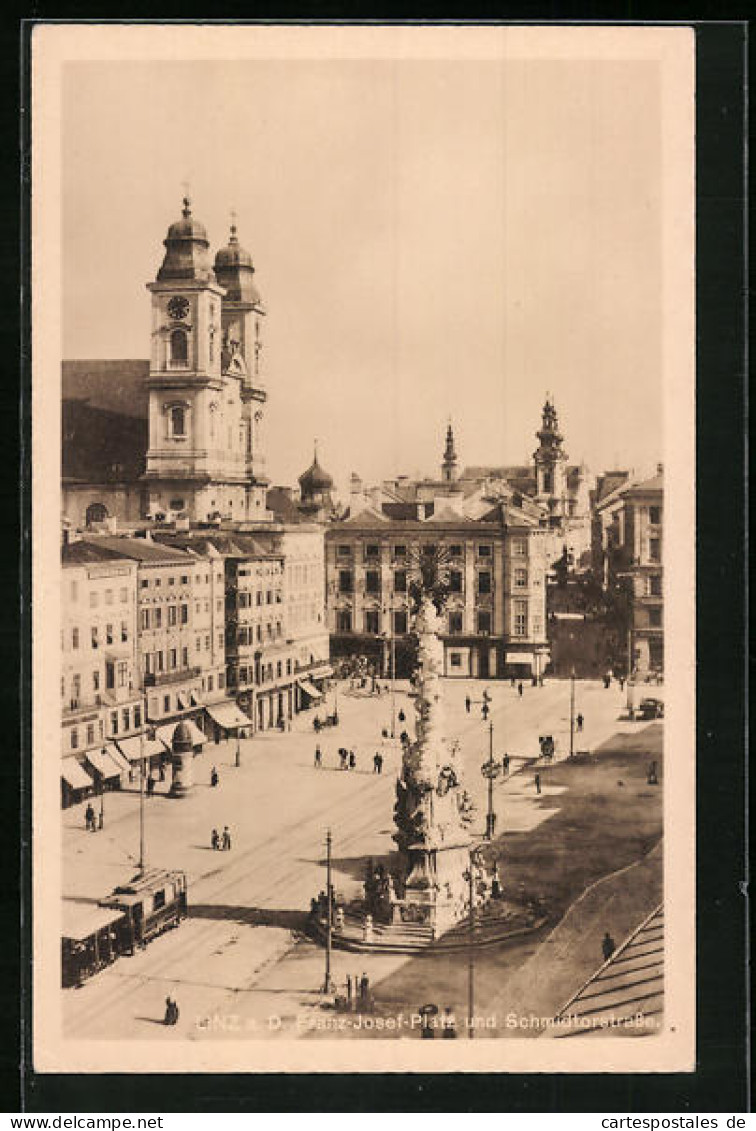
x=187, y=211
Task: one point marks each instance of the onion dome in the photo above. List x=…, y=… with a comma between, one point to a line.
x=182, y=738
x=234, y=270
x=186, y=249
x=315, y=479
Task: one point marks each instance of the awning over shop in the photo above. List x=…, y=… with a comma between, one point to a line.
x=182, y=699
x=76, y=776
x=196, y=701
x=80, y=920
x=165, y=733
x=322, y=671
x=104, y=764
x=310, y=689
x=228, y=716
x=520, y=657
x=137, y=748
x=115, y=754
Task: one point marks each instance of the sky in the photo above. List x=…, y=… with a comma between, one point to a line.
x=434, y=240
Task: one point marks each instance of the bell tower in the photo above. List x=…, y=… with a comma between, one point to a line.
x=242, y=319
x=196, y=458
x=550, y=459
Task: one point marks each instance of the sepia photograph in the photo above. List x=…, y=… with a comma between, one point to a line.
x=364, y=530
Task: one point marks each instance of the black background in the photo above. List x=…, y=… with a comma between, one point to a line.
x=721, y=1081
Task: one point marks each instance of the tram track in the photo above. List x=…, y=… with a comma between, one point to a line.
x=351, y=818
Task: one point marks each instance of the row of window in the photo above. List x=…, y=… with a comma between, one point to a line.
x=251, y=634
x=372, y=621
x=153, y=618
x=261, y=673
x=371, y=551
x=271, y=596
x=116, y=675
x=184, y=579
x=94, y=597
x=373, y=581
x=110, y=635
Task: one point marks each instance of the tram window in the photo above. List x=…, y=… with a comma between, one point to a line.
x=159, y=900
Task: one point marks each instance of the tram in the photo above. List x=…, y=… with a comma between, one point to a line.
x=130, y=917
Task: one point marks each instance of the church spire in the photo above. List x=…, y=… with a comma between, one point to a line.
x=449, y=464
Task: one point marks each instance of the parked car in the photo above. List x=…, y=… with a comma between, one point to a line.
x=651, y=709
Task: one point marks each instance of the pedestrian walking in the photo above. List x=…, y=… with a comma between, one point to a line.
x=380, y=763
x=364, y=987
x=519, y=689
x=150, y=785
x=89, y=818
x=375, y=763
x=171, y=1011
x=214, y=839
x=468, y=702
x=537, y=782
x=402, y=716
x=214, y=779
x=226, y=839
x=579, y=720
x=607, y=946
x=505, y=763
x=352, y=760
x=318, y=757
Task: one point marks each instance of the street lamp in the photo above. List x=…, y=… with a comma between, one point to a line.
x=471, y=875
x=102, y=799
x=490, y=770
x=572, y=713
x=237, y=762
x=392, y=661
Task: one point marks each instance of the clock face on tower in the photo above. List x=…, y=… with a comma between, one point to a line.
x=178, y=307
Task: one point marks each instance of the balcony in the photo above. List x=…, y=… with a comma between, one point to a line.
x=165, y=678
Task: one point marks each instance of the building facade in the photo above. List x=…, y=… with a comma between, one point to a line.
x=99, y=670
x=495, y=614
x=630, y=524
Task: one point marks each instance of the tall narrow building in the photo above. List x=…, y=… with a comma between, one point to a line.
x=204, y=459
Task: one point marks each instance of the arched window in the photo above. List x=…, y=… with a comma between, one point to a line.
x=96, y=512
x=179, y=352
x=178, y=421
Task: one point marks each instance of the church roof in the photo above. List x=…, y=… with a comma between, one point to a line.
x=186, y=250
x=315, y=478
x=119, y=385
x=234, y=270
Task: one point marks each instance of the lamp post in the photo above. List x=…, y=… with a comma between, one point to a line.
x=392, y=662
x=470, y=876
x=572, y=713
x=237, y=761
x=102, y=798
x=328, y=986
x=490, y=770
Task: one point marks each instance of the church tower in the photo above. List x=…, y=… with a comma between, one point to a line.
x=550, y=459
x=242, y=318
x=202, y=461
x=449, y=464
